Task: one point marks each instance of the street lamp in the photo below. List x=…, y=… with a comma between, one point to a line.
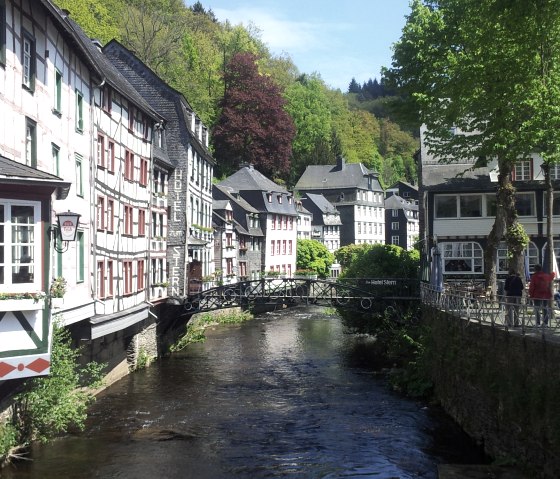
x=67, y=228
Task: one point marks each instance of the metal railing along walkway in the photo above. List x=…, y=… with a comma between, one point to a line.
x=476, y=307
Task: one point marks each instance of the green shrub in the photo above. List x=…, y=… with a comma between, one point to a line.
x=195, y=327
x=50, y=405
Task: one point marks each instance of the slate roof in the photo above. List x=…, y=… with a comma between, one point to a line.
x=395, y=202
x=219, y=204
x=324, y=205
x=249, y=179
x=405, y=183
x=336, y=177
x=111, y=74
x=162, y=97
x=456, y=177
x=12, y=172
x=226, y=193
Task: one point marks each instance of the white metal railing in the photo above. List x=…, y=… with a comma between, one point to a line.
x=475, y=306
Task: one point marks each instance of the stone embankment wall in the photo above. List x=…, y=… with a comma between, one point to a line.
x=502, y=387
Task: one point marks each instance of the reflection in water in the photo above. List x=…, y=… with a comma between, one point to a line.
x=282, y=396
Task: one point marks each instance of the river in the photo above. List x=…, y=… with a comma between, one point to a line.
x=288, y=395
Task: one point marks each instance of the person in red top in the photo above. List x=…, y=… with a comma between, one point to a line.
x=540, y=292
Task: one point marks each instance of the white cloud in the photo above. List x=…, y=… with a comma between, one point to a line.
x=280, y=34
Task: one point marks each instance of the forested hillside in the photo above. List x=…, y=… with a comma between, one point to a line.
x=191, y=50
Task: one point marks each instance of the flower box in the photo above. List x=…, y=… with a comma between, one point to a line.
x=22, y=304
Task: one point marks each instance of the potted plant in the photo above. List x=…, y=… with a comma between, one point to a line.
x=21, y=301
x=57, y=291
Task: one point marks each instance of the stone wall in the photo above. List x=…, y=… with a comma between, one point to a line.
x=502, y=387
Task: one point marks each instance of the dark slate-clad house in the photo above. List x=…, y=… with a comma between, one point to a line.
x=325, y=223
x=356, y=193
x=189, y=229
x=401, y=222
x=277, y=215
x=247, y=228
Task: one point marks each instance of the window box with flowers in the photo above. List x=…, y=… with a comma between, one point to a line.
x=22, y=301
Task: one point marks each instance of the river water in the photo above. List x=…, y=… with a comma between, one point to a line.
x=288, y=395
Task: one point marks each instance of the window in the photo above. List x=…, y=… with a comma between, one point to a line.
x=79, y=176
x=279, y=197
x=28, y=60
x=107, y=101
x=461, y=257
x=229, y=239
x=229, y=266
x=554, y=171
x=470, y=206
x=57, y=103
x=127, y=277
x=273, y=222
x=278, y=247
x=395, y=225
x=30, y=143
x=446, y=206
x=129, y=166
x=290, y=247
x=80, y=257
x=272, y=247
x=143, y=171
x=100, y=151
x=110, y=291
x=283, y=246
x=100, y=213
x=55, y=157
x=291, y=223
x=522, y=170
x=140, y=275
x=394, y=213
x=101, y=279
x=491, y=205
x=141, y=222
x=111, y=157
x=395, y=240
x=131, y=118
x=19, y=245
x=269, y=197
x=503, y=260
x=79, y=112
x=525, y=204
x=128, y=220
x=110, y=215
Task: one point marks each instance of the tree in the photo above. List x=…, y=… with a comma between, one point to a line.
x=314, y=255
x=253, y=126
x=378, y=261
x=467, y=65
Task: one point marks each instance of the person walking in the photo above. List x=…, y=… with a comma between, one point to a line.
x=540, y=292
x=513, y=288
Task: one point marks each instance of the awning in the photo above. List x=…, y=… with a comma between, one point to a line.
x=14, y=173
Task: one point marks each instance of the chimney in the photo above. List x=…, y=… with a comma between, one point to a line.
x=340, y=162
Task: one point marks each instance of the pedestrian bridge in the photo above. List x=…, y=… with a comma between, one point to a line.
x=363, y=294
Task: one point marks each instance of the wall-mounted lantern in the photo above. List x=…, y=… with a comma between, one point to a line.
x=67, y=228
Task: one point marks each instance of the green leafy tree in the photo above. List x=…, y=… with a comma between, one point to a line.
x=314, y=255
x=476, y=65
x=378, y=261
x=253, y=127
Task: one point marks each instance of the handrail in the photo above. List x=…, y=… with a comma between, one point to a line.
x=476, y=307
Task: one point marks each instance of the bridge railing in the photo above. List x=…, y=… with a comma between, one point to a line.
x=475, y=306
x=360, y=293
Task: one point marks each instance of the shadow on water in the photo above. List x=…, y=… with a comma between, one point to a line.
x=288, y=395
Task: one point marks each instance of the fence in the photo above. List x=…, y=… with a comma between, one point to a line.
x=474, y=306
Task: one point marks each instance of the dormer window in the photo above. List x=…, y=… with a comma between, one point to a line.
x=289, y=200
x=269, y=197
x=279, y=199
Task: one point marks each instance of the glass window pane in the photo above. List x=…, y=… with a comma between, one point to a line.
x=471, y=206
x=491, y=205
x=446, y=206
x=524, y=204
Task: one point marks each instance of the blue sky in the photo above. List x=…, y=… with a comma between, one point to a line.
x=339, y=39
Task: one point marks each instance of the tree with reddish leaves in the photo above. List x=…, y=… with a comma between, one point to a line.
x=253, y=127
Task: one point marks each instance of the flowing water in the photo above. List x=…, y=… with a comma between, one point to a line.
x=287, y=395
